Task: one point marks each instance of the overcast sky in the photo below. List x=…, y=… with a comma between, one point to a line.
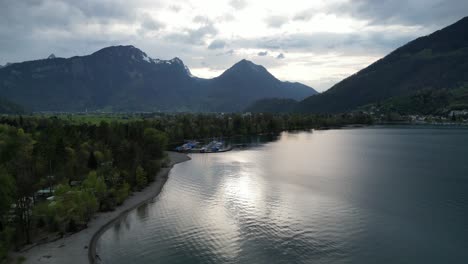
x=315, y=42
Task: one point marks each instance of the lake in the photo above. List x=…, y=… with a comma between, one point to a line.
x=368, y=195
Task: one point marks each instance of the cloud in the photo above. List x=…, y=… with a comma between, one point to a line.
x=150, y=24
x=175, y=8
x=262, y=53
x=276, y=21
x=280, y=56
x=412, y=12
x=194, y=36
x=192, y=30
x=226, y=18
x=238, y=4
x=202, y=20
x=217, y=44
x=365, y=42
x=305, y=15
x=229, y=53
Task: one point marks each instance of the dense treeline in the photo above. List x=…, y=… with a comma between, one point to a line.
x=88, y=168
x=424, y=102
x=188, y=126
x=94, y=166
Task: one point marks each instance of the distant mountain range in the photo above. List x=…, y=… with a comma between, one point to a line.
x=429, y=64
x=123, y=78
x=429, y=74
x=273, y=105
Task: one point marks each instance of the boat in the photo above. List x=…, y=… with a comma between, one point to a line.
x=188, y=146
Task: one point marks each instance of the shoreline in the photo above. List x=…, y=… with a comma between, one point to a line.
x=80, y=247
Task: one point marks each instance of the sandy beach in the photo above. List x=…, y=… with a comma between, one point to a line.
x=80, y=247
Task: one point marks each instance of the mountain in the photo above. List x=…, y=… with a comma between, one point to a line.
x=437, y=61
x=8, y=107
x=272, y=105
x=423, y=102
x=246, y=82
x=123, y=78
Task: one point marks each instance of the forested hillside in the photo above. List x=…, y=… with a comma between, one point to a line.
x=437, y=61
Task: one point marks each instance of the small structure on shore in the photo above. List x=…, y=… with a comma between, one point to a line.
x=212, y=147
x=190, y=145
x=43, y=194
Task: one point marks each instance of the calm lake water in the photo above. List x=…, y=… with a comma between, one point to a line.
x=372, y=195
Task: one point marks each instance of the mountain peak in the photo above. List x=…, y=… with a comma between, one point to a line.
x=176, y=60
x=246, y=66
x=245, y=62
x=51, y=56
x=118, y=50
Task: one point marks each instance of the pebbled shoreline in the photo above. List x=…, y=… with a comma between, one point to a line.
x=80, y=247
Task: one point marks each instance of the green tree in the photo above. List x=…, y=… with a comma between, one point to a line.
x=141, y=179
x=7, y=190
x=92, y=161
x=96, y=185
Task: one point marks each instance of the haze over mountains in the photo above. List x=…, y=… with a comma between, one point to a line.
x=123, y=78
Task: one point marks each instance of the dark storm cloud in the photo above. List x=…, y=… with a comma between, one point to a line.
x=262, y=53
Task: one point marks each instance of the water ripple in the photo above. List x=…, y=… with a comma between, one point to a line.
x=348, y=196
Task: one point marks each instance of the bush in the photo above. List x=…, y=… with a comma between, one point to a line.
x=6, y=237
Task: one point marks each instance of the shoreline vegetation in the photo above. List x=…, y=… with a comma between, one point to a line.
x=153, y=191
x=58, y=173
x=80, y=247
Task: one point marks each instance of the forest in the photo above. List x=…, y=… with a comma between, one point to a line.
x=56, y=171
